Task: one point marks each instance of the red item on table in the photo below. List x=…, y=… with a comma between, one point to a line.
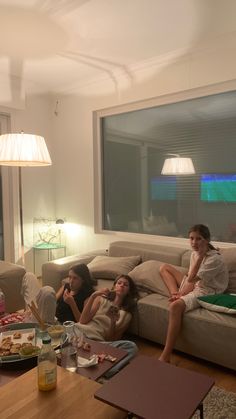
x=11, y=318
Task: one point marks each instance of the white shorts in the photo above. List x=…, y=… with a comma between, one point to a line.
x=190, y=299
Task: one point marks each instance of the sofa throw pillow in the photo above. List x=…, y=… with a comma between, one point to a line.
x=231, y=289
x=229, y=257
x=147, y=277
x=223, y=303
x=109, y=267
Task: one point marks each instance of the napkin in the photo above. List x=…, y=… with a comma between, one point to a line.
x=84, y=362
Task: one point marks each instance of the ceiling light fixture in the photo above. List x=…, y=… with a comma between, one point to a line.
x=178, y=165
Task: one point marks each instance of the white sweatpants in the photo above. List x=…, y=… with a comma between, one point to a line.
x=45, y=298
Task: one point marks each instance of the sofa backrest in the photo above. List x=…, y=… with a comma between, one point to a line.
x=168, y=254
x=173, y=255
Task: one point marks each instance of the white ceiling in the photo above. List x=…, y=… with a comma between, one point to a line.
x=58, y=45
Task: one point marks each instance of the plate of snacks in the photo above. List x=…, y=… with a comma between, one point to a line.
x=18, y=341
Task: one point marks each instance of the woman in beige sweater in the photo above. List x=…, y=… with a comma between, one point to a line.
x=106, y=316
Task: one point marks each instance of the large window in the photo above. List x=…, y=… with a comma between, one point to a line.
x=134, y=146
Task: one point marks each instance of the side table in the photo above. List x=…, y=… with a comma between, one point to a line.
x=149, y=388
x=49, y=247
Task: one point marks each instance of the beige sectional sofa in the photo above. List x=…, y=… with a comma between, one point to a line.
x=205, y=334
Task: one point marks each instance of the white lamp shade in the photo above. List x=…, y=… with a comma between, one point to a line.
x=23, y=150
x=178, y=166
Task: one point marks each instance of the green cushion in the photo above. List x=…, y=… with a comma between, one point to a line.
x=225, y=303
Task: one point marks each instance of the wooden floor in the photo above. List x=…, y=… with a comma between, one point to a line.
x=224, y=377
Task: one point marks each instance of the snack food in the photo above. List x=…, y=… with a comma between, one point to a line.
x=29, y=350
x=11, y=318
x=110, y=358
x=11, y=348
x=17, y=335
x=15, y=347
x=30, y=336
x=12, y=342
x=55, y=331
x=86, y=346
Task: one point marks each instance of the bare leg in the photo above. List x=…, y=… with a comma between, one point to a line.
x=177, y=309
x=172, y=277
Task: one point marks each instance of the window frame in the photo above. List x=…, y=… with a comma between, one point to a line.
x=98, y=153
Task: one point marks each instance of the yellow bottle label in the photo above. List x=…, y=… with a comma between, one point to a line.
x=47, y=376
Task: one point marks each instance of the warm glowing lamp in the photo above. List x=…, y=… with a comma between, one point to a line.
x=23, y=150
x=178, y=166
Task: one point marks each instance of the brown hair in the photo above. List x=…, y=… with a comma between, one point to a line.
x=204, y=232
x=82, y=271
x=131, y=298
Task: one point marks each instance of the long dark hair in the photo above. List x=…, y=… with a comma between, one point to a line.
x=131, y=298
x=83, y=272
x=204, y=232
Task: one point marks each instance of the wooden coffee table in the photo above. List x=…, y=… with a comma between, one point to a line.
x=152, y=389
x=96, y=371
x=11, y=371
x=73, y=398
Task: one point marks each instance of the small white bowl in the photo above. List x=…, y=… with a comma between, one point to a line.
x=55, y=331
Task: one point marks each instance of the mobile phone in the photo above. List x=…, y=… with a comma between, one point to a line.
x=67, y=287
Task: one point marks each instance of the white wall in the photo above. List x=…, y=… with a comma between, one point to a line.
x=73, y=132
x=66, y=189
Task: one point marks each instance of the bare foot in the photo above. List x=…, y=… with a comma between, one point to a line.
x=164, y=359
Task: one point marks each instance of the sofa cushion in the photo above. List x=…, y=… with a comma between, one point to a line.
x=225, y=303
x=147, y=277
x=232, y=283
x=110, y=267
x=147, y=251
x=185, y=261
x=229, y=257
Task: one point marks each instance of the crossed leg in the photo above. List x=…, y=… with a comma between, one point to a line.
x=172, y=277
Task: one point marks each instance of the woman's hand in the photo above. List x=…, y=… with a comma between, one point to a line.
x=68, y=297
x=175, y=296
x=203, y=248
x=101, y=292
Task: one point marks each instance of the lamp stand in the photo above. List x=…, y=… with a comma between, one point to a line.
x=21, y=217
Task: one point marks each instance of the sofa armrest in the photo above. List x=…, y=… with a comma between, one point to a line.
x=54, y=271
x=11, y=276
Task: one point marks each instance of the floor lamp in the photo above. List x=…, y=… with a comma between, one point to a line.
x=177, y=165
x=21, y=150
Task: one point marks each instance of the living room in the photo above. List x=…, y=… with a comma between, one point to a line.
x=57, y=99
x=65, y=119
